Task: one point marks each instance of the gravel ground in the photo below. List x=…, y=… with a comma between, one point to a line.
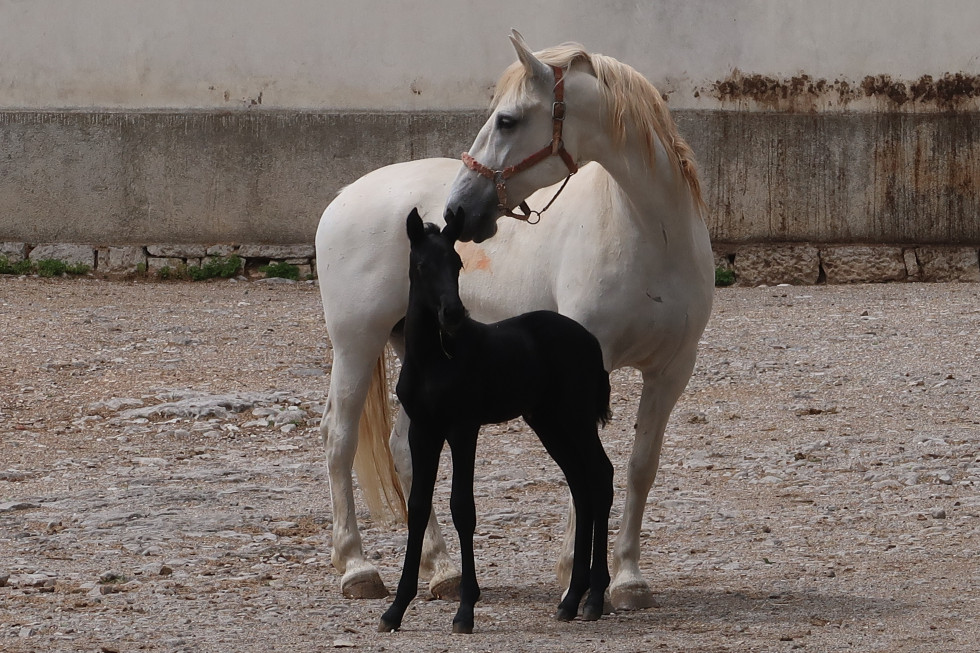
x=162, y=484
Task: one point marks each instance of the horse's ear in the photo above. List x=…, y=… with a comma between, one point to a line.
x=454, y=225
x=416, y=230
x=536, y=69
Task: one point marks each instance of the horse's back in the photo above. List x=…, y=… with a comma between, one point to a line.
x=383, y=197
x=361, y=248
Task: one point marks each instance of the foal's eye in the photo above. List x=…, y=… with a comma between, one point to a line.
x=506, y=122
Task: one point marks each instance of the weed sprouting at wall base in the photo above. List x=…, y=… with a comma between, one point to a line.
x=43, y=268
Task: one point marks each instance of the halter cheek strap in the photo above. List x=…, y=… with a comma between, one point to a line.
x=555, y=148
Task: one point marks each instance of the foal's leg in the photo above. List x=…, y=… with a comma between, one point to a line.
x=600, y=475
x=463, y=443
x=567, y=452
x=584, y=528
x=436, y=564
x=629, y=591
x=426, y=447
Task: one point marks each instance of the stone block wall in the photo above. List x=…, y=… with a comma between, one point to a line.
x=122, y=260
x=809, y=263
x=752, y=264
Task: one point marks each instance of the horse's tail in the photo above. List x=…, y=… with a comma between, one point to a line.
x=603, y=392
x=373, y=462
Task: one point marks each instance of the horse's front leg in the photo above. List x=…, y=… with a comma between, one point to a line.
x=463, y=507
x=349, y=384
x=628, y=590
x=436, y=564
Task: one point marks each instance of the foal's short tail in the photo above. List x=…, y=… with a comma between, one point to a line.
x=373, y=463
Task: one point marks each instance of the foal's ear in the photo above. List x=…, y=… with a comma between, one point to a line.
x=454, y=225
x=416, y=230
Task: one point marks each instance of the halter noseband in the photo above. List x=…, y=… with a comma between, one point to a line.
x=555, y=148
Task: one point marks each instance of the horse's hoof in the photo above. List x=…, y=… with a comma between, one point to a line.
x=363, y=584
x=564, y=614
x=459, y=628
x=387, y=627
x=446, y=588
x=635, y=595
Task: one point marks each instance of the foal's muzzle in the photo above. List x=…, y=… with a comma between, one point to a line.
x=451, y=317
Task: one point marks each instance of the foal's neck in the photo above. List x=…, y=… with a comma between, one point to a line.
x=423, y=334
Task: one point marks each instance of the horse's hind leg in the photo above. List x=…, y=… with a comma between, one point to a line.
x=350, y=379
x=629, y=591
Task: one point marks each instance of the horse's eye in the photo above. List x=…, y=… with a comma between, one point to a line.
x=506, y=122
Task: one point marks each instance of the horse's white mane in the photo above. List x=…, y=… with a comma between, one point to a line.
x=629, y=99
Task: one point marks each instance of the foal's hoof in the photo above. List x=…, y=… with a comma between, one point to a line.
x=459, y=628
x=364, y=583
x=591, y=613
x=564, y=614
x=387, y=627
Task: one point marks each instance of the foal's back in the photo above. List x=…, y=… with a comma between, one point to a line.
x=535, y=362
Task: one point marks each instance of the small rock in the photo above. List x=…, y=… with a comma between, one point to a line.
x=111, y=577
x=11, y=506
x=939, y=513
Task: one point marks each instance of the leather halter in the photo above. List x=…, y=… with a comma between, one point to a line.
x=555, y=148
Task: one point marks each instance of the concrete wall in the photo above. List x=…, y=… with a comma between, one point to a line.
x=139, y=121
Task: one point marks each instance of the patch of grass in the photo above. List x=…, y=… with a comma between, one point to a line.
x=223, y=267
x=724, y=276
x=20, y=267
x=50, y=267
x=44, y=267
x=282, y=270
x=166, y=273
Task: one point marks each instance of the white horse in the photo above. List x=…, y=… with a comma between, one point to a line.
x=623, y=250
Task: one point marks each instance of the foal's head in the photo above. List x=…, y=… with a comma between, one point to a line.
x=434, y=270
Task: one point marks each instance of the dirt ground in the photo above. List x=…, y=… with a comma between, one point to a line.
x=162, y=482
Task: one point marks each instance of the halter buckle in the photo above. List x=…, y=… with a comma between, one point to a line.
x=558, y=110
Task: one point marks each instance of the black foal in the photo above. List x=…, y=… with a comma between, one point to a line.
x=459, y=374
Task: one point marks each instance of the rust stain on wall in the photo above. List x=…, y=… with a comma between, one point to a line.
x=803, y=93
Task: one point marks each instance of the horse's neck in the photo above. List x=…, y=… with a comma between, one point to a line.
x=656, y=196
